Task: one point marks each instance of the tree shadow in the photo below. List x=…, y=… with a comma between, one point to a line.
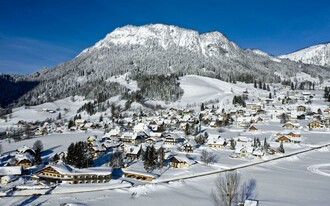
x=12, y=89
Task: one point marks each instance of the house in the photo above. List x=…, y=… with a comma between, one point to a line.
x=133, y=138
x=140, y=175
x=294, y=134
x=132, y=152
x=153, y=126
x=252, y=128
x=258, y=153
x=96, y=149
x=289, y=125
x=140, y=127
x=180, y=162
x=250, y=202
x=189, y=146
x=244, y=122
x=63, y=173
x=283, y=138
x=110, y=144
x=315, y=125
x=172, y=139
x=79, y=122
x=113, y=133
x=327, y=110
x=243, y=150
x=26, y=150
x=253, y=106
x=8, y=178
x=24, y=160
x=217, y=142
x=301, y=108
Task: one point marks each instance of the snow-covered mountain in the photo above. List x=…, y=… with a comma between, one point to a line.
x=317, y=55
x=154, y=56
x=167, y=36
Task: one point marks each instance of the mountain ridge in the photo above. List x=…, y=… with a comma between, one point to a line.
x=157, y=52
x=318, y=54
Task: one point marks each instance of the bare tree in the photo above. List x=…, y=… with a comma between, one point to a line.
x=248, y=190
x=38, y=145
x=229, y=190
x=227, y=187
x=208, y=157
x=117, y=160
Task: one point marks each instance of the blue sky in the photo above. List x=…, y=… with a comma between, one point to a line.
x=39, y=33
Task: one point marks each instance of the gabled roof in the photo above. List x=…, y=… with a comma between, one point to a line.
x=24, y=149
x=184, y=159
x=68, y=169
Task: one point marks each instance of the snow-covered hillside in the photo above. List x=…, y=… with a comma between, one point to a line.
x=318, y=55
x=153, y=50
x=67, y=107
x=199, y=89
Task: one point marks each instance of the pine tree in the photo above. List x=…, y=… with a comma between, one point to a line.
x=258, y=142
x=161, y=157
x=266, y=145
x=202, y=107
x=281, y=148
x=79, y=155
x=232, y=144
x=150, y=158
x=70, y=124
x=37, y=157
x=117, y=160
x=59, y=116
x=187, y=130
x=56, y=157
x=264, y=86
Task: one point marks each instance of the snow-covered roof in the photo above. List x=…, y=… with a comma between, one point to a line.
x=26, y=156
x=67, y=169
x=24, y=149
x=220, y=141
x=184, y=159
x=11, y=170
x=132, y=149
x=251, y=203
x=138, y=172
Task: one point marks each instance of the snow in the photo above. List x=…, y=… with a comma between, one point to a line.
x=166, y=36
x=317, y=54
x=39, y=112
x=305, y=188
x=124, y=80
x=262, y=53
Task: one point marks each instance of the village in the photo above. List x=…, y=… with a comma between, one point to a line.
x=161, y=145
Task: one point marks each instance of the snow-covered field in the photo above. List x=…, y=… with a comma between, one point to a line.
x=287, y=182
x=199, y=89
x=66, y=107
